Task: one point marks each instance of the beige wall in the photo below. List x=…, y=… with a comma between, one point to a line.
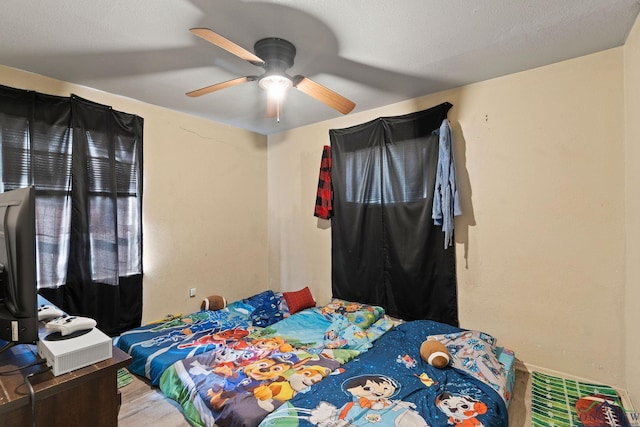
x=632, y=294
x=540, y=247
x=205, y=203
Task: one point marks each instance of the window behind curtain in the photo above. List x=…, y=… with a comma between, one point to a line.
x=127, y=208
x=396, y=173
x=43, y=158
x=38, y=152
x=89, y=218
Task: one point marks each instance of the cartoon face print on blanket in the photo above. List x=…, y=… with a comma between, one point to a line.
x=461, y=410
x=253, y=377
x=371, y=404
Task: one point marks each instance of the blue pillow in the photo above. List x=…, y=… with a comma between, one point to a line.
x=267, y=308
x=259, y=299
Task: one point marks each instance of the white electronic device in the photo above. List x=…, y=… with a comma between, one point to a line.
x=66, y=355
x=81, y=344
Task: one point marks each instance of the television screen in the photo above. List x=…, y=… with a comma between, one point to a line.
x=18, y=287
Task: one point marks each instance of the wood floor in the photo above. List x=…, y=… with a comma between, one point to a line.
x=146, y=405
x=143, y=405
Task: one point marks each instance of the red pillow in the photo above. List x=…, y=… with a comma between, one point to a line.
x=299, y=300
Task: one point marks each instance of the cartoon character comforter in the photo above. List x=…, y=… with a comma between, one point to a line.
x=390, y=385
x=241, y=382
x=155, y=347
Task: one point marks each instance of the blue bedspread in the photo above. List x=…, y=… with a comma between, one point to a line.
x=390, y=385
x=323, y=328
x=155, y=347
x=241, y=382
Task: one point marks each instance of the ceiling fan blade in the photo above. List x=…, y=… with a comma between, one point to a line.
x=226, y=44
x=218, y=86
x=323, y=94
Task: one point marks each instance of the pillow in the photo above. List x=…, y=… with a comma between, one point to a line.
x=299, y=300
x=268, y=312
x=259, y=299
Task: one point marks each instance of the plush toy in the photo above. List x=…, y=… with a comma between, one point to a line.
x=434, y=353
x=213, y=302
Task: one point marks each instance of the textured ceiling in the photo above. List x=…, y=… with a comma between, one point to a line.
x=373, y=52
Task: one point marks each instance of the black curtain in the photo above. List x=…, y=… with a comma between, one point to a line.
x=85, y=161
x=386, y=249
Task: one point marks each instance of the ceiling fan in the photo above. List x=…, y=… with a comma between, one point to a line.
x=275, y=55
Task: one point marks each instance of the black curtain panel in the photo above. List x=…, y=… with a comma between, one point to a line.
x=85, y=161
x=386, y=249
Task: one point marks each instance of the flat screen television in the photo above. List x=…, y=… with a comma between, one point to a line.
x=18, y=286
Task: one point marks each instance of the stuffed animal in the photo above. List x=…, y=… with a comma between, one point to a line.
x=434, y=353
x=213, y=302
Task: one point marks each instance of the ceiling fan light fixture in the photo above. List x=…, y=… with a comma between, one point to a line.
x=276, y=85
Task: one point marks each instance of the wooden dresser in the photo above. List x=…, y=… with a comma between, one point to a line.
x=85, y=397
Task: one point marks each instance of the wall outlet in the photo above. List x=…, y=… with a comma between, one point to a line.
x=192, y=292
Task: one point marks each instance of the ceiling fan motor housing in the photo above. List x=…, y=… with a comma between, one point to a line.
x=277, y=54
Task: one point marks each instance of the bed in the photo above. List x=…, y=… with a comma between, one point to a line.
x=239, y=384
x=258, y=361
x=155, y=347
x=391, y=385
